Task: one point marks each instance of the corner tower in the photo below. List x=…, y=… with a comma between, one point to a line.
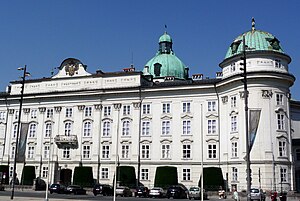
x=165, y=63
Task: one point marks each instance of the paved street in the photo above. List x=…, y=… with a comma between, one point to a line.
x=40, y=195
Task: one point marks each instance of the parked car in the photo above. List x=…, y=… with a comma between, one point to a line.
x=257, y=194
x=123, y=191
x=156, y=192
x=176, y=192
x=103, y=189
x=195, y=193
x=142, y=191
x=76, y=189
x=57, y=188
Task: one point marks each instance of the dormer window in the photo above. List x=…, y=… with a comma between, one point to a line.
x=232, y=67
x=277, y=63
x=157, y=67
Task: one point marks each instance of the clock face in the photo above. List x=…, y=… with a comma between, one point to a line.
x=71, y=67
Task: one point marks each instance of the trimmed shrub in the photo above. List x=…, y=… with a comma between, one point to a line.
x=126, y=176
x=4, y=169
x=83, y=176
x=28, y=175
x=213, y=179
x=165, y=176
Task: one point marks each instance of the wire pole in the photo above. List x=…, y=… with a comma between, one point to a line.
x=248, y=169
x=18, y=132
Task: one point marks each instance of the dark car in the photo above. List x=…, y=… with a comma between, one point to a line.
x=103, y=189
x=176, y=192
x=142, y=191
x=57, y=188
x=76, y=189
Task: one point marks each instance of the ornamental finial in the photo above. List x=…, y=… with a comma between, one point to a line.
x=253, y=24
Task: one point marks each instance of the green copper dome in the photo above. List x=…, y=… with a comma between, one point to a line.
x=165, y=38
x=165, y=63
x=255, y=40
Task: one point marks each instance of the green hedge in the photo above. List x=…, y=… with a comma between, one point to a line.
x=213, y=179
x=83, y=176
x=4, y=169
x=165, y=176
x=126, y=176
x=28, y=175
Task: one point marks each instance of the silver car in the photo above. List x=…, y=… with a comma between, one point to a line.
x=156, y=192
x=195, y=193
x=257, y=194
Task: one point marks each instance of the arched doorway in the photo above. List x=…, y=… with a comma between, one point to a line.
x=65, y=176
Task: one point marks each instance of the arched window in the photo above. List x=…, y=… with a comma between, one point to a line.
x=126, y=128
x=106, y=128
x=87, y=129
x=48, y=129
x=32, y=130
x=68, y=128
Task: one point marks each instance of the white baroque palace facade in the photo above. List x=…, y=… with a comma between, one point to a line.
x=159, y=117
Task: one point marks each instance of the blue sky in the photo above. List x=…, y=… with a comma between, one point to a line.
x=111, y=34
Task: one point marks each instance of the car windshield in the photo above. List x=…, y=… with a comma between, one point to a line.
x=194, y=189
x=254, y=191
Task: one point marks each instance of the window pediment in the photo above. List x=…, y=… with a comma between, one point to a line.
x=88, y=119
x=211, y=116
x=166, y=117
x=106, y=142
x=186, y=116
x=146, y=141
x=126, y=118
x=146, y=118
x=107, y=119
x=166, y=141
x=126, y=142
x=234, y=112
x=186, y=141
x=211, y=140
x=234, y=138
x=68, y=120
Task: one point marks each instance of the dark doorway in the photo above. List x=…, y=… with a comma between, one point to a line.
x=65, y=176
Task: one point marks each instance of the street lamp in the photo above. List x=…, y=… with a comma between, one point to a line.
x=25, y=73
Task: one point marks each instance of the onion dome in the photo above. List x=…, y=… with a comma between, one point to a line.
x=165, y=63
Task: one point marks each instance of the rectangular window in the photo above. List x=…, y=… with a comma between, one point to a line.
x=186, y=174
x=232, y=67
x=125, y=151
x=145, y=148
x=2, y=115
x=234, y=149
x=212, y=151
x=186, y=151
x=68, y=128
x=30, y=153
x=283, y=174
x=88, y=111
x=165, y=151
x=277, y=63
x=233, y=123
x=104, y=173
x=233, y=101
x=66, y=153
x=107, y=110
x=11, y=170
x=86, y=151
x=69, y=112
x=105, y=151
x=49, y=113
x=126, y=109
x=144, y=174
x=87, y=129
x=279, y=99
x=211, y=126
x=13, y=152
x=145, y=128
x=282, y=148
x=280, y=121
x=234, y=174
x=33, y=114
x=186, y=107
x=146, y=109
x=166, y=108
x=126, y=128
x=45, y=171
x=32, y=130
x=165, y=127
x=15, y=129
x=211, y=106
x=186, y=127
x=46, y=151
x=16, y=115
